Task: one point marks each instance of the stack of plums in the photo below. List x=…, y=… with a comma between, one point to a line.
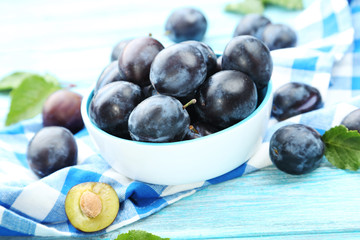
x=152, y=93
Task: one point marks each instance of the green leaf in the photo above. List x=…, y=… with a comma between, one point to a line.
x=51, y=79
x=288, y=4
x=14, y=80
x=245, y=7
x=139, y=235
x=342, y=147
x=28, y=98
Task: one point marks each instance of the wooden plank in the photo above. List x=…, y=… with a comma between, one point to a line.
x=264, y=203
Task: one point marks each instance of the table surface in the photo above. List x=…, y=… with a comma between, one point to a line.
x=72, y=40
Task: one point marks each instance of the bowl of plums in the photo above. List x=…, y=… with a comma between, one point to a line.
x=182, y=113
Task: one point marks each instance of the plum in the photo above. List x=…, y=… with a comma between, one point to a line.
x=62, y=108
x=226, y=98
x=352, y=120
x=159, y=118
x=251, y=56
x=294, y=98
x=296, y=149
x=111, y=106
x=51, y=149
x=136, y=59
x=186, y=23
x=91, y=206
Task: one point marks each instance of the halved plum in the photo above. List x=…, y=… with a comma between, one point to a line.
x=91, y=206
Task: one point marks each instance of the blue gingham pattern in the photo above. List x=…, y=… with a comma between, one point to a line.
x=327, y=57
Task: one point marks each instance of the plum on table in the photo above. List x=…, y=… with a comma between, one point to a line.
x=296, y=149
x=51, y=149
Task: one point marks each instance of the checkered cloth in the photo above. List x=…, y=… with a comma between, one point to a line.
x=326, y=57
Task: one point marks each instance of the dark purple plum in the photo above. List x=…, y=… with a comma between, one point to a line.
x=186, y=23
x=110, y=74
x=118, y=48
x=136, y=58
x=251, y=24
x=208, y=54
x=296, y=149
x=352, y=120
x=277, y=36
x=62, y=108
x=111, y=106
x=249, y=55
x=226, y=98
x=178, y=70
x=294, y=98
x=51, y=149
x=159, y=118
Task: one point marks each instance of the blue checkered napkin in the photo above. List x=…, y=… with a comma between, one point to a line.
x=35, y=207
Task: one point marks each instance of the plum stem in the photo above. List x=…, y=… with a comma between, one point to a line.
x=193, y=129
x=191, y=102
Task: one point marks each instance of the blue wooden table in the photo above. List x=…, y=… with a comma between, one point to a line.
x=72, y=40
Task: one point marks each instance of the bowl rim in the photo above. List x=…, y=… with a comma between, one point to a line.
x=86, y=118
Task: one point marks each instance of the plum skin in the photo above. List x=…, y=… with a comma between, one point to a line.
x=136, y=58
x=208, y=54
x=52, y=148
x=110, y=73
x=352, y=120
x=251, y=56
x=118, y=48
x=226, y=98
x=296, y=149
x=186, y=23
x=251, y=24
x=178, y=70
x=159, y=118
x=277, y=36
x=294, y=98
x=111, y=106
x=62, y=108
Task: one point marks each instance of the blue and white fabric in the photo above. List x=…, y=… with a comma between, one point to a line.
x=327, y=56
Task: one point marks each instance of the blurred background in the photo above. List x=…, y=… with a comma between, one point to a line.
x=72, y=40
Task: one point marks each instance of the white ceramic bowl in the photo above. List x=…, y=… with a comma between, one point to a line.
x=186, y=161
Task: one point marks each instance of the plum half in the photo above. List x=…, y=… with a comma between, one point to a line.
x=91, y=206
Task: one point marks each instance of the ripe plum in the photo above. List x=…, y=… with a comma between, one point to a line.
x=111, y=106
x=352, y=120
x=295, y=98
x=118, y=48
x=277, y=36
x=178, y=70
x=136, y=58
x=251, y=56
x=111, y=73
x=186, y=23
x=159, y=118
x=208, y=54
x=51, y=148
x=296, y=149
x=62, y=108
x=251, y=24
x=226, y=98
